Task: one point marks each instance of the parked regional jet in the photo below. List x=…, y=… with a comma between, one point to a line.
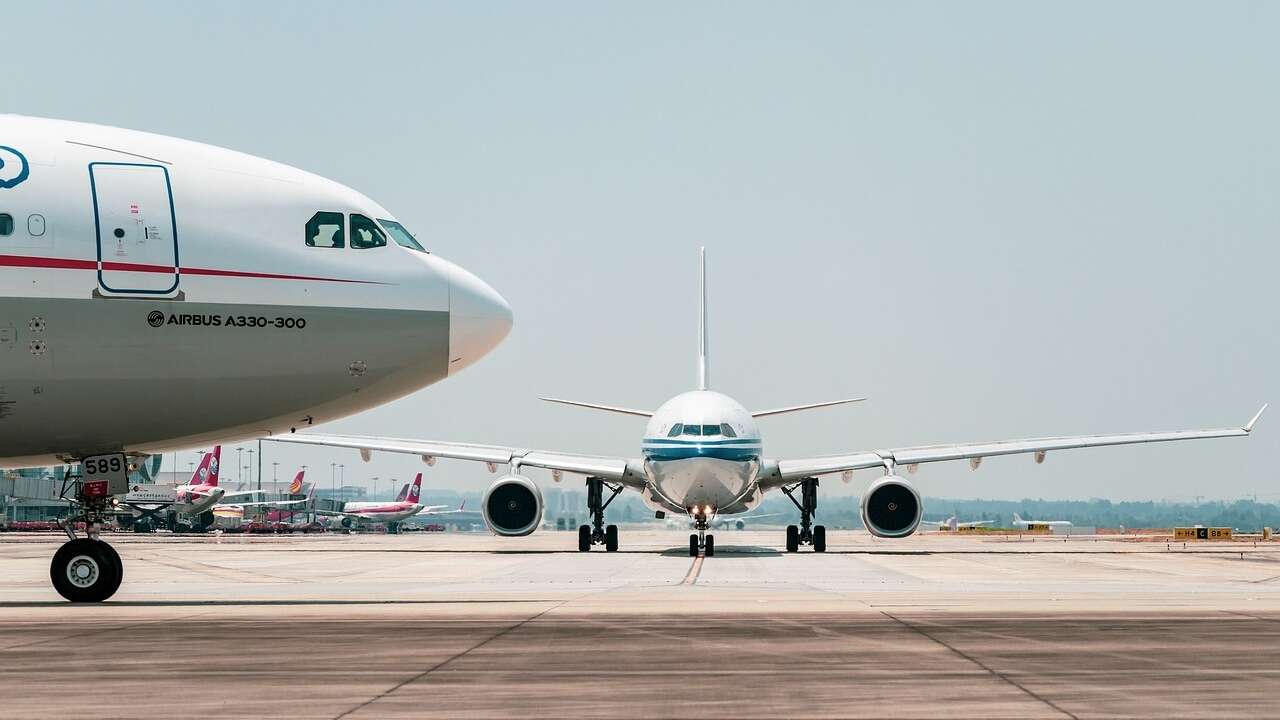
x=953, y=524
x=701, y=455
x=390, y=514
x=199, y=495
x=136, y=265
x=1021, y=524
x=236, y=510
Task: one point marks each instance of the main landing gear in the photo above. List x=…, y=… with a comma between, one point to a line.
x=597, y=533
x=86, y=569
x=807, y=533
x=701, y=540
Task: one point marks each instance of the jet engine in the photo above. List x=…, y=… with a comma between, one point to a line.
x=512, y=506
x=891, y=507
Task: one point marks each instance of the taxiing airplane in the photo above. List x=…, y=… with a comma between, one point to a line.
x=701, y=455
x=390, y=514
x=137, y=265
x=953, y=524
x=1021, y=524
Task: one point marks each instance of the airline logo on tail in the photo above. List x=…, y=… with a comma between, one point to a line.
x=295, y=488
x=207, y=473
x=415, y=491
x=404, y=493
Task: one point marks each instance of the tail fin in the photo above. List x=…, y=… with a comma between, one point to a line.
x=1016, y=519
x=295, y=487
x=415, y=491
x=704, y=366
x=207, y=472
x=404, y=493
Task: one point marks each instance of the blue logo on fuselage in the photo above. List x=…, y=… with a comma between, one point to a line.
x=13, y=167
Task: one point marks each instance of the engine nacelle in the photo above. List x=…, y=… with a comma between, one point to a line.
x=512, y=506
x=891, y=508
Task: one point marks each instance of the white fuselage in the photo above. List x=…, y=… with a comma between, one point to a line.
x=255, y=297
x=382, y=512
x=701, y=453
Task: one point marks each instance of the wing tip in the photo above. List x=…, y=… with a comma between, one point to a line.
x=1249, y=425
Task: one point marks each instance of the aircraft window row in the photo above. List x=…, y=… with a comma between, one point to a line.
x=691, y=430
x=6, y=224
x=328, y=230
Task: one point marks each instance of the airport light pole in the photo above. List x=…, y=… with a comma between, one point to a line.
x=275, y=469
x=239, y=465
x=374, y=482
x=333, y=481
x=391, y=489
x=250, y=468
x=342, y=480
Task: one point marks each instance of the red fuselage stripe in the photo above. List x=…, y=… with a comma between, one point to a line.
x=49, y=263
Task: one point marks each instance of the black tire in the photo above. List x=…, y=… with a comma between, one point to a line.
x=204, y=521
x=693, y=546
x=94, y=565
x=611, y=538
x=819, y=538
x=393, y=528
x=793, y=538
x=710, y=548
x=115, y=559
x=584, y=538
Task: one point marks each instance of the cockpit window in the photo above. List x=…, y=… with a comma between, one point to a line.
x=325, y=229
x=727, y=430
x=710, y=430
x=402, y=236
x=676, y=430
x=365, y=233
x=693, y=430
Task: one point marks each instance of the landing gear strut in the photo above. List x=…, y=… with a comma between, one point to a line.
x=701, y=540
x=807, y=533
x=597, y=533
x=86, y=569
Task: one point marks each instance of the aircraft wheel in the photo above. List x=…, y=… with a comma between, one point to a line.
x=611, y=538
x=693, y=545
x=85, y=570
x=584, y=538
x=793, y=538
x=710, y=548
x=819, y=538
x=393, y=528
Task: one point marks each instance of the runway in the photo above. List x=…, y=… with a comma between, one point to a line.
x=440, y=625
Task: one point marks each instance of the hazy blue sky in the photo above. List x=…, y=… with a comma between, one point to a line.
x=995, y=219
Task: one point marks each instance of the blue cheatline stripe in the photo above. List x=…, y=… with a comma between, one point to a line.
x=687, y=452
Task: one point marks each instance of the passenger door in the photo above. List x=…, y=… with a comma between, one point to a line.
x=137, y=229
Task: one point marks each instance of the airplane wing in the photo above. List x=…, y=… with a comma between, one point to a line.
x=610, y=468
x=789, y=470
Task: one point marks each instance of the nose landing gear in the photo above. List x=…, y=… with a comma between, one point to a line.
x=86, y=569
x=597, y=533
x=701, y=541
x=806, y=533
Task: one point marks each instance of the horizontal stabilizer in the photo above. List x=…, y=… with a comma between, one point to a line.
x=796, y=408
x=596, y=406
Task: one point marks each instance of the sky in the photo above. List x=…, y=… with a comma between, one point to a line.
x=995, y=220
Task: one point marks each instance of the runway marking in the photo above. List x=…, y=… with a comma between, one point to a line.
x=450, y=659
x=695, y=569
x=991, y=671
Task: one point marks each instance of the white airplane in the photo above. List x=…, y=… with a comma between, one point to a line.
x=199, y=495
x=390, y=514
x=136, y=265
x=1021, y=524
x=953, y=524
x=701, y=455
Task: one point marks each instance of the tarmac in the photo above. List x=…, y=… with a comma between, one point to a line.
x=469, y=625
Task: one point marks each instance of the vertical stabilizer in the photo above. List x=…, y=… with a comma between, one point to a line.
x=704, y=368
x=295, y=487
x=207, y=471
x=404, y=493
x=415, y=490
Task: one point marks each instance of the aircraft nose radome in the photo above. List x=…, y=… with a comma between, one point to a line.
x=479, y=319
